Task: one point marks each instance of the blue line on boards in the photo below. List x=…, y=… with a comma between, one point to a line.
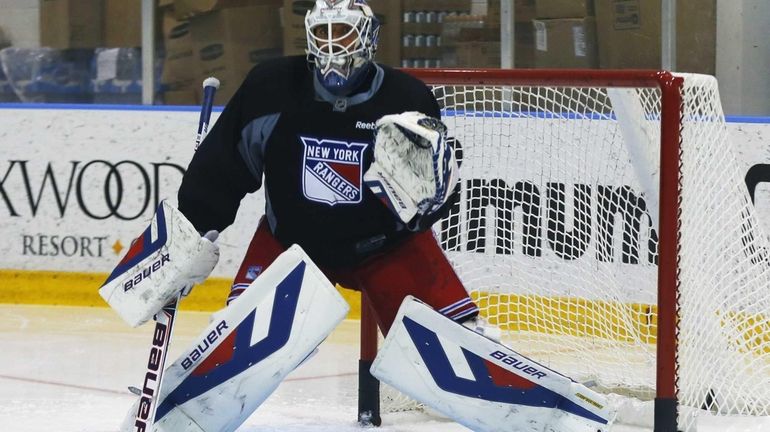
x=450, y=113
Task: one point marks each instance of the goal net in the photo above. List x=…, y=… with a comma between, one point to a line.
x=604, y=226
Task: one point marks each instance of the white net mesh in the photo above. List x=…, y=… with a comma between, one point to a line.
x=556, y=238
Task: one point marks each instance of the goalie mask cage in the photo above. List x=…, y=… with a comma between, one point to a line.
x=605, y=227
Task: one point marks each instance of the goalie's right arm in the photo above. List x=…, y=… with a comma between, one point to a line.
x=166, y=260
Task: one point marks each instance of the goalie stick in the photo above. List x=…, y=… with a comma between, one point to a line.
x=164, y=319
x=210, y=86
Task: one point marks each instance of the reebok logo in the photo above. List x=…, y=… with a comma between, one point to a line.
x=365, y=125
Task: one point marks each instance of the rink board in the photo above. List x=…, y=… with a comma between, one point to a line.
x=78, y=183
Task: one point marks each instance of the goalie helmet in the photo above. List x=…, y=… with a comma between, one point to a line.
x=341, y=42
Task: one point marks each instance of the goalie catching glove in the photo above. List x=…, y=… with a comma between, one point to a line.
x=414, y=170
x=164, y=262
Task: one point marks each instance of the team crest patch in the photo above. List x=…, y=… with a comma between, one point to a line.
x=253, y=272
x=332, y=171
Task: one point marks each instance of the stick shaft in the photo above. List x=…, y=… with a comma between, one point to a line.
x=207, y=105
x=153, y=378
x=164, y=319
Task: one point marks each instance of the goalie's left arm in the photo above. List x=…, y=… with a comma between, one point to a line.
x=414, y=172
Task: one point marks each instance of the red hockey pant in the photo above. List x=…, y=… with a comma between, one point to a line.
x=416, y=267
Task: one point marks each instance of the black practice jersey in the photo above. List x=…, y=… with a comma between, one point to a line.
x=312, y=150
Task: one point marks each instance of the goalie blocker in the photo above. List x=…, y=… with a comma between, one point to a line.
x=480, y=383
x=169, y=257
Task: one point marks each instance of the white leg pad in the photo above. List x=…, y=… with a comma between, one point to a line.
x=176, y=420
x=240, y=359
x=480, y=383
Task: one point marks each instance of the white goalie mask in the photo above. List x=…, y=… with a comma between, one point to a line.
x=341, y=42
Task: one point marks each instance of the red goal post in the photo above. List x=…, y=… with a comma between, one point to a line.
x=613, y=141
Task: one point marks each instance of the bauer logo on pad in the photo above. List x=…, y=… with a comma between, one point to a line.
x=488, y=380
x=333, y=171
x=237, y=350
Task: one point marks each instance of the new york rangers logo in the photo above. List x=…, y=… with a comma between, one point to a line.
x=332, y=171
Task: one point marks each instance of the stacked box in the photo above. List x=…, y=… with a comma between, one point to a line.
x=179, y=68
x=122, y=23
x=179, y=64
x=523, y=11
x=388, y=13
x=565, y=34
x=228, y=42
x=469, y=41
x=186, y=9
x=566, y=43
x=71, y=23
x=524, y=36
x=421, y=30
x=696, y=41
x=4, y=41
x=634, y=26
x=554, y=9
x=629, y=26
x=220, y=38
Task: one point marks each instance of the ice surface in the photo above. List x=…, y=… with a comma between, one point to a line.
x=67, y=369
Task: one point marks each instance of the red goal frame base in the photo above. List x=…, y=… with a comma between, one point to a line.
x=670, y=86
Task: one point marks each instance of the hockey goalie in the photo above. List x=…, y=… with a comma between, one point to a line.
x=288, y=310
x=356, y=167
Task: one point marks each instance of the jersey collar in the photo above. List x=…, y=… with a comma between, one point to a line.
x=341, y=103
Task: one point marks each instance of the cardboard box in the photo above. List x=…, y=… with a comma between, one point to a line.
x=550, y=9
x=481, y=54
x=4, y=41
x=634, y=26
x=71, y=23
x=471, y=41
x=524, y=32
x=388, y=12
x=696, y=36
x=458, y=6
x=628, y=33
x=179, y=65
x=181, y=97
x=189, y=8
x=293, y=19
x=523, y=11
x=229, y=42
x=565, y=43
x=524, y=45
x=390, y=15
x=123, y=23
x=463, y=28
